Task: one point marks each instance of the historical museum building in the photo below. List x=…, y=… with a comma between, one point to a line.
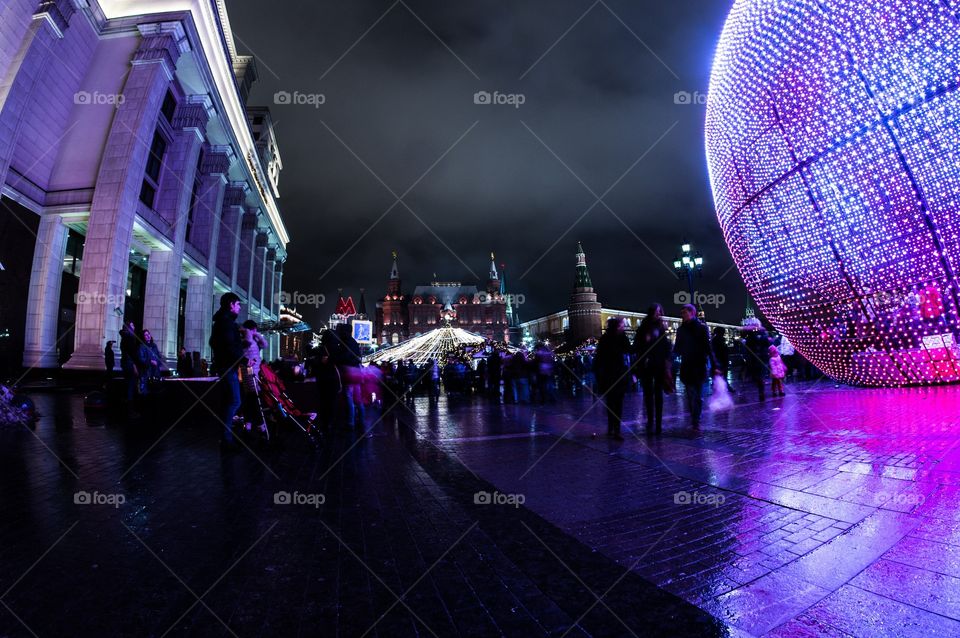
x=484, y=311
x=136, y=182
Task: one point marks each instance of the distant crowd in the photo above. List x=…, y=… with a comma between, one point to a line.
x=606, y=370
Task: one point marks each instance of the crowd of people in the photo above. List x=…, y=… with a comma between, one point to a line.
x=345, y=387
x=650, y=359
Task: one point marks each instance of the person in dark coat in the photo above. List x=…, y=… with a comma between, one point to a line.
x=184, y=363
x=152, y=361
x=130, y=363
x=693, y=346
x=494, y=374
x=652, y=349
x=346, y=355
x=329, y=385
x=756, y=346
x=109, y=359
x=227, y=347
x=611, y=364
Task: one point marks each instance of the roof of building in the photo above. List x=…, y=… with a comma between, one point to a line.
x=446, y=293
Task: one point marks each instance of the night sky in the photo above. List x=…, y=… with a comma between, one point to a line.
x=599, y=119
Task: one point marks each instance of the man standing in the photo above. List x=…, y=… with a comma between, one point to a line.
x=612, y=365
x=693, y=346
x=130, y=364
x=227, y=347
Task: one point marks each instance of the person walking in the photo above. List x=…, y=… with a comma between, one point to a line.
x=329, y=386
x=545, y=370
x=778, y=372
x=756, y=345
x=130, y=364
x=494, y=374
x=693, y=346
x=433, y=371
x=227, y=347
x=652, y=349
x=348, y=361
x=611, y=363
x=721, y=351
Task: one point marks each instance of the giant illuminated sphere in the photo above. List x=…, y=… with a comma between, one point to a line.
x=833, y=143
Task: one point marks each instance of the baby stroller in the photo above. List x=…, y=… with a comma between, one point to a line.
x=275, y=404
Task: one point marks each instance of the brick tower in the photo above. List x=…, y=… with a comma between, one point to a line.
x=584, y=309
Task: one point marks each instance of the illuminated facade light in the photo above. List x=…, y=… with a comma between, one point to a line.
x=831, y=135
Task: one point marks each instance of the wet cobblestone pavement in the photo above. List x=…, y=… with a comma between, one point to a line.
x=828, y=512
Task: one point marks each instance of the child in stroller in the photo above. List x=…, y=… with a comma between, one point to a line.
x=273, y=404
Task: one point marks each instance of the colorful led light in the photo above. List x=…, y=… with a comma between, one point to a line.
x=834, y=156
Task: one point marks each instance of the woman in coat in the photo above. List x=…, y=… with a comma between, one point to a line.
x=611, y=364
x=653, y=350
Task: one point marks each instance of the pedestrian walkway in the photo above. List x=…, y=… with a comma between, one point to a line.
x=831, y=511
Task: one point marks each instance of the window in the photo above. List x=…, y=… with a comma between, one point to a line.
x=169, y=107
x=151, y=181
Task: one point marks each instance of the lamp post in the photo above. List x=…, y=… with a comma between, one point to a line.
x=685, y=264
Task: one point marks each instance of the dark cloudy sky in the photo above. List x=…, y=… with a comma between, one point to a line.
x=599, y=83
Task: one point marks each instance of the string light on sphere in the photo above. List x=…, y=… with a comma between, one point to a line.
x=834, y=157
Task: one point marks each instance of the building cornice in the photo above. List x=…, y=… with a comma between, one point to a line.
x=215, y=46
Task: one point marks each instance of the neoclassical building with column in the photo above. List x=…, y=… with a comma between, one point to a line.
x=136, y=182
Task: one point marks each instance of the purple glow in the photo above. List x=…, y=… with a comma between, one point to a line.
x=832, y=145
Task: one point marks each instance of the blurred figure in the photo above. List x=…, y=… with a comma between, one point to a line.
x=253, y=343
x=130, y=364
x=433, y=374
x=227, y=347
x=756, y=345
x=494, y=374
x=612, y=367
x=693, y=346
x=721, y=352
x=109, y=360
x=184, y=363
x=329, y=386
x=652, y=348
x=778, y=371
x=545, y=369
x=346, y=354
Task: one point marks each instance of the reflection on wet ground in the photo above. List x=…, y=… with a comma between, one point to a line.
x=831, y=511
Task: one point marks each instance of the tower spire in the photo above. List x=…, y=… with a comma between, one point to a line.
x=395, y=270
x=494, y=276
x=583, y=274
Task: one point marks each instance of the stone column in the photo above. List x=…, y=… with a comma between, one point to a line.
x=41, y=346
x=248, y=238
x=278, y=286
x=259, y=274
x=198, y=315
x=228, y=241
x=270, y=280
x=109, y=231
x=37, y=49
x=16, y=17
x=205, y=235
x=161, y=306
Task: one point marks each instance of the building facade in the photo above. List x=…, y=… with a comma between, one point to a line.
x=479, y=310
x=143, y=183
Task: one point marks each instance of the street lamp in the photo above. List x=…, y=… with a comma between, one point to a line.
x=685, y=264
